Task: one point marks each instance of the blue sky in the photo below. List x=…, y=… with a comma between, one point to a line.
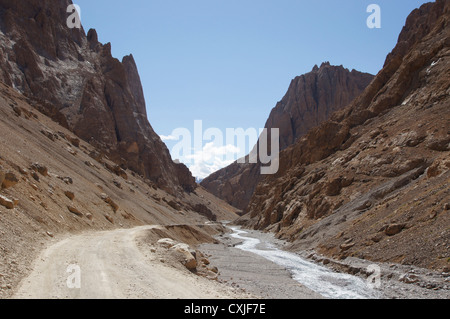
x=227, y=63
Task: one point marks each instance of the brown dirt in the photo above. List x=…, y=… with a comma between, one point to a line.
x=42, y=218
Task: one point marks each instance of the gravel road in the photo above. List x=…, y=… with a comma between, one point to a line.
x=110, y=265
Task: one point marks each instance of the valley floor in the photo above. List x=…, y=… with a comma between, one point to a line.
x=264, y=278
x=124, y=264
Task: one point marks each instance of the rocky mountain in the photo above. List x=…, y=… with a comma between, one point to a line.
x=313, y=97
x=54, y=186
x=309, y=101
x=77, y=152
x=373, y=181
x=74, y=79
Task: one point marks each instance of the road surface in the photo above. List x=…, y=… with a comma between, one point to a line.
x=110, y=265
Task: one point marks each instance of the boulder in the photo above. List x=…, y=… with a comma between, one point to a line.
x=7, y=203
x=68, y=180
x=214, y=269
x=377, y=237
x=71, y=151
x=9, y=180
x=184, y=253
x=205, y=211
x=394, y=229
x=96, y=155
x=166, y=243
x=334, y=187
x=408, y=139
x=35, y=176
x=22, y=170
x=75, y=211
x=74, y=141
x=205, y=261
x=119, y=171
x=109, y=218
x=41, y=169
x=347, y=245
x=173, y=204
x=434, y=170
x=51, y=136
x=409, y=278
x=439, y=144
x=70, y=195
x=109, y=201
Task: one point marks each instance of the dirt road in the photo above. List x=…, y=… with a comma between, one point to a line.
x=120, y=264
x=109, y=265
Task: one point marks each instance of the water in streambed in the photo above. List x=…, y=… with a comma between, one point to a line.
x=320, y=279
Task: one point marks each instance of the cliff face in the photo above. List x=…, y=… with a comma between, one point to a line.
x=372, y=181
x=309, y=101
x=312, y=98
x=73, y=78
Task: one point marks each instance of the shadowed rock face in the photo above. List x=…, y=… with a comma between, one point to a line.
x=376, y=174
x=312, y=98
x=309, y=101
x=73, y=78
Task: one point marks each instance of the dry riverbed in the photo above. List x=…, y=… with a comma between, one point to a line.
x=267, y=279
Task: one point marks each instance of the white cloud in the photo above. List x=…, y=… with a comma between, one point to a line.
x=168, y=138
x=211, y=159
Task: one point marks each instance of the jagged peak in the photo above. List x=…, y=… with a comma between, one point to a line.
x=129, y=59
x=104, y=100
x=92, y=36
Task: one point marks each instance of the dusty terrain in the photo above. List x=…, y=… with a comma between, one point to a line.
x=58, y=187
x=117, y=264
